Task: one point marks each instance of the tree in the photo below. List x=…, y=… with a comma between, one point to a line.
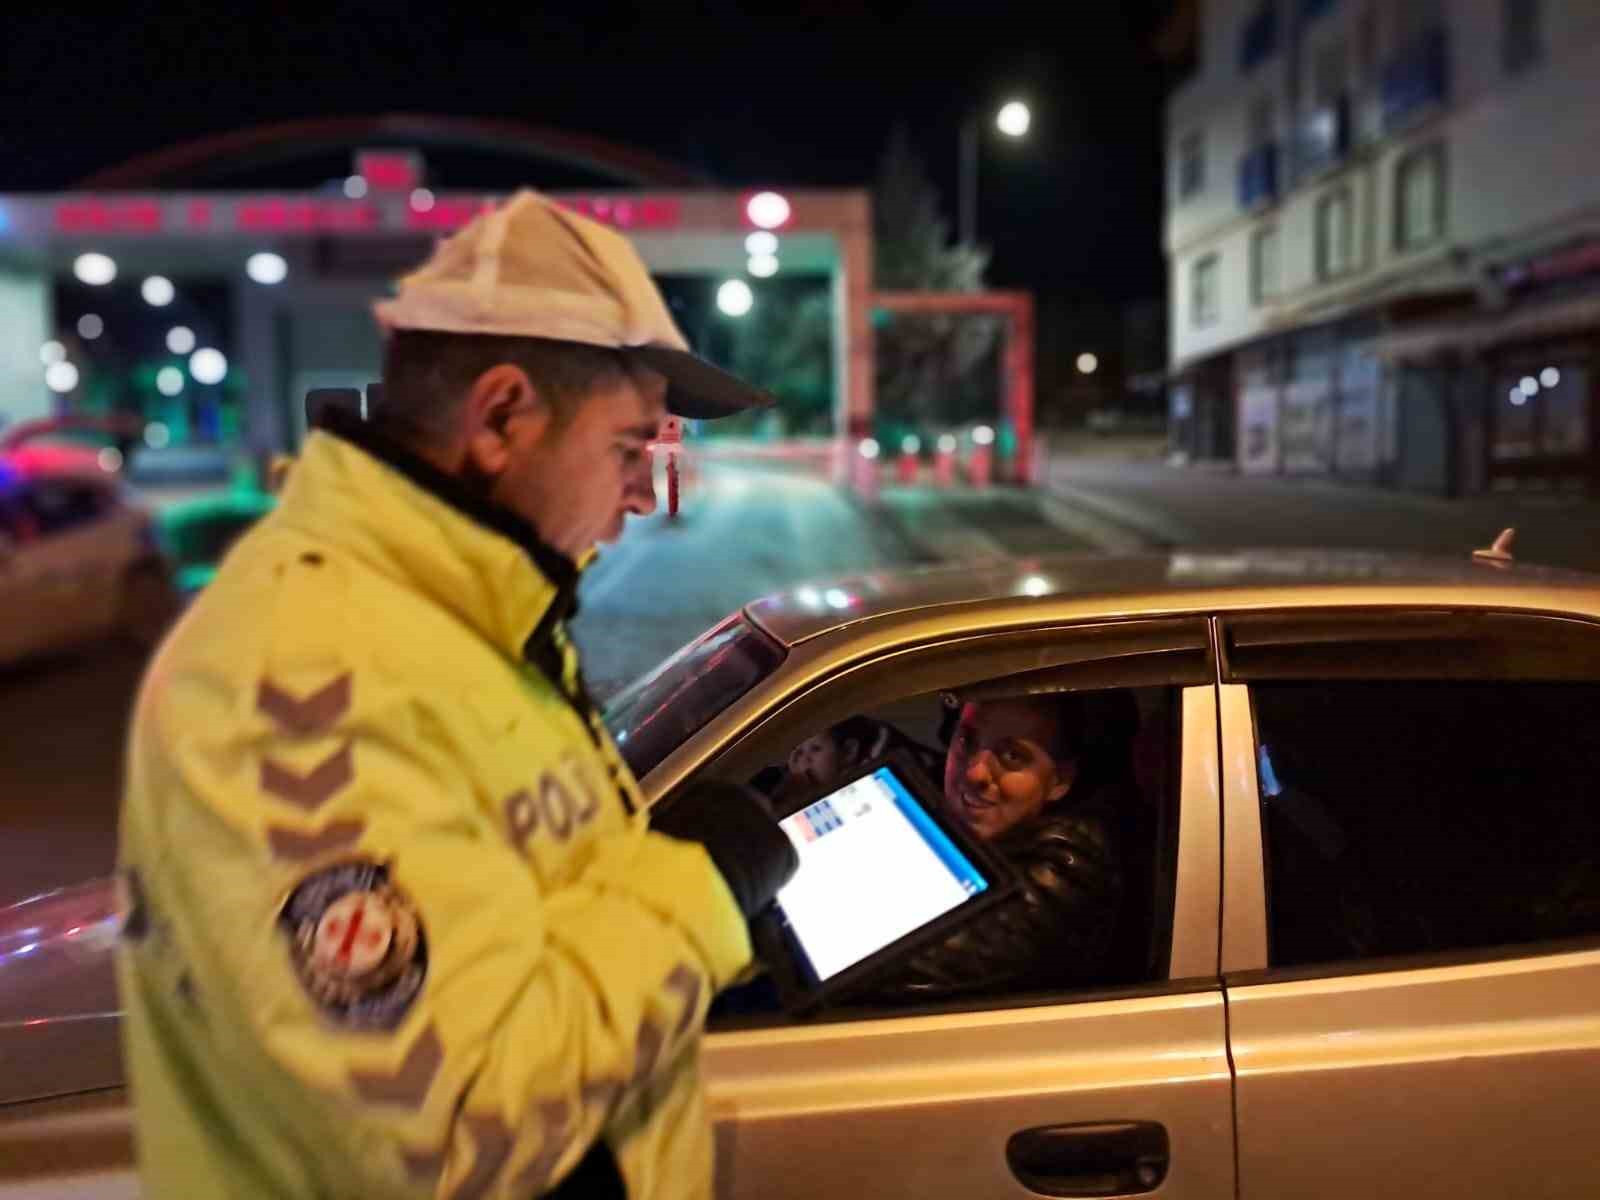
x=923, y=361
x=785, y=344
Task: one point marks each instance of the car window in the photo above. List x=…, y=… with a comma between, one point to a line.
x=58, y=506
x=1075, y=788
x=655, y=715
x=1411, y=816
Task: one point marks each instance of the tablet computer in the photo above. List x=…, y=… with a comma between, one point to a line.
x=882, y=872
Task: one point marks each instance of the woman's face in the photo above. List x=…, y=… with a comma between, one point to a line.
x=998, y=772
x=815, y=760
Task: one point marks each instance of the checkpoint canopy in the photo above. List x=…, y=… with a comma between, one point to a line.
x=294, y=274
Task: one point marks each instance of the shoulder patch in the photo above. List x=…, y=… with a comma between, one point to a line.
x=357, y=943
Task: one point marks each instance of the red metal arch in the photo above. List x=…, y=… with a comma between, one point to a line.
x=286, y=140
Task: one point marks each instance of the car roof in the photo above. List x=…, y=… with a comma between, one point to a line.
x=32, y=462
x=1172, y=581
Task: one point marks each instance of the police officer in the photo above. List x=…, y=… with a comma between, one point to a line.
x=396, y=921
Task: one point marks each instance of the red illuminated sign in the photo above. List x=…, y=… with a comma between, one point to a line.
x=279, y=215
x=289, y=215
x=389, y=171
x=108, y=216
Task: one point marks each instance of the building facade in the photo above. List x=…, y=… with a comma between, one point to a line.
x=1383, y=240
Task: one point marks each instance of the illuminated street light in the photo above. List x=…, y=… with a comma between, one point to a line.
x=355, y=187
x=1529, y=385
x=947, y=443
x=52, y=352
x=421, y=199
x=735, y=298
x=180, y=339
x=870, y=448
x=1549, y=377
x=90, y=326
x=1087, y=363
x=768, y=210
x=267, y=267
x=761, y=242
x=910, y=444
x=1035, y=585
x=110, y=460
x=157, y=291
x=95, y=269
x=61, y=377
x=1518, y=397
x=208, y=366
x=763, y=266
x=982, y=435
x=157, y=436
x=169, y=381
x=1013, y=119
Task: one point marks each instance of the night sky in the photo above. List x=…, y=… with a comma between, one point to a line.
x=805, y=94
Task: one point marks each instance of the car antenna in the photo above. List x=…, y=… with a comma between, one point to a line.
x=1500, y=552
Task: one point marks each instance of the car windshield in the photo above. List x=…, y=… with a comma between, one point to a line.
x=659, y=712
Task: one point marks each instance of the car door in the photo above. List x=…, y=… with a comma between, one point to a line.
x=1116, y=1090
x=75, y=561
x=1412, y=902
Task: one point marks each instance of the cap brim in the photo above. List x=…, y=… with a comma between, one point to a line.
x=695, y=388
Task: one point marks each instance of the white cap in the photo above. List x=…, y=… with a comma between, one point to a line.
x=532, y=269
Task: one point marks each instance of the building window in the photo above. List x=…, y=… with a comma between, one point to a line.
x=1335, y=234
x=1419, y=198
x=1328, y=76
x=1205, y=296
x=1191, y=165
x=1521, y=34
x=1264, y=278
x=1261, y=122
x=1367, y=45
x=1260, y=36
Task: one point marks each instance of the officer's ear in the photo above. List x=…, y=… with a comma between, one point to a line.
x=503, y=411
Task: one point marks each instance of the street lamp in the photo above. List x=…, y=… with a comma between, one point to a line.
x=1013, y=120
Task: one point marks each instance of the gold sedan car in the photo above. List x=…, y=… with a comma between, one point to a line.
x=1358, y=943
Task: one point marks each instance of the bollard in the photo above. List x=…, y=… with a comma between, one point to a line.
x=905, y=468
x=865, y=470
x=944, y=461
x=980, y=466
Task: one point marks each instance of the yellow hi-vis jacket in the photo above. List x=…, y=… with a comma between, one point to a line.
x=395, y=923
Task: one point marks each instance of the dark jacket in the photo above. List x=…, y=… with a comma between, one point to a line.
x=1059, y=930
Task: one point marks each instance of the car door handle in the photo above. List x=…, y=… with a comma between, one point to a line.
x=1103, y=1158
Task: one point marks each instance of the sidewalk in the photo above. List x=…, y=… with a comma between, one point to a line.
x=1181, y=506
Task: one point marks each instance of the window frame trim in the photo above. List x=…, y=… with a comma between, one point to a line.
x=1198, y=319
x=1412, y=158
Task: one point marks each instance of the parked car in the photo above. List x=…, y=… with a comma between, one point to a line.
x=79, y=557
x=1367, y=958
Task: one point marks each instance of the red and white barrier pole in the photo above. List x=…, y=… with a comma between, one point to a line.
x=909, y=464
x=944, y=461
x=866, y=469
x=980, y=465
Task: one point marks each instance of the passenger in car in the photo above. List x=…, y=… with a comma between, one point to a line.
x=827, y=756
x=1042, y=779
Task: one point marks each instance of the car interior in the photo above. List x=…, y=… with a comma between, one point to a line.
x=1142, y=721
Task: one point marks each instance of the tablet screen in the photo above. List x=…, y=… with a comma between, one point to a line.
x=873, y=868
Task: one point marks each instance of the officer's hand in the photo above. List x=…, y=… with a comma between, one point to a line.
x=746, y=845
